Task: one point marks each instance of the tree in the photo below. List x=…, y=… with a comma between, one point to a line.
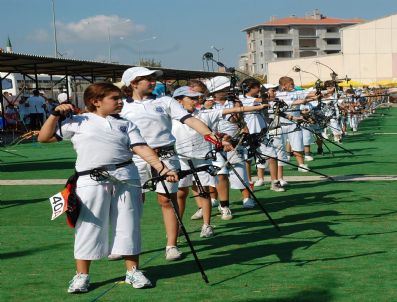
x=149, y=63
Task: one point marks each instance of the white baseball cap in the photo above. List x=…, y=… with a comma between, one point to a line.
x=269, y=85
x=185, y=91
x=62, y=97
x=217, y=83
x=131, y=73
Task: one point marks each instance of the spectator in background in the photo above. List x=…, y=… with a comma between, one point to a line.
x=24, y=113
x=36, y=104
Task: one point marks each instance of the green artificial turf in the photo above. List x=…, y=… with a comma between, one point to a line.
x=337, y=239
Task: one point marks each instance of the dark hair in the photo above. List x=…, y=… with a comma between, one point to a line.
x=329, y=83
x=250, y=83
x=126, y=91
x=98, y=91
x=36, y=92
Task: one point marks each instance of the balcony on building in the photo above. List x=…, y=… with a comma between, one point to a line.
x=282, y=45
x=308, y=44
x=308, y=32
x=282, y=54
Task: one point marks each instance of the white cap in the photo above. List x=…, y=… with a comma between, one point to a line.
x=118, y=84
x=217, y=83
x=131, y=73
x=41, y=92
x=185, y=91
x=269, y=85
x=62, y=97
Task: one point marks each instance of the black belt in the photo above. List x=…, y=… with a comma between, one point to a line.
x=166, y=151
x=88, y=172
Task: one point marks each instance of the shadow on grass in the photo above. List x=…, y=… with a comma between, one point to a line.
x=20, y=202
x=31, y=251
x=37, y=166
x=95, y=285
x=318, y=295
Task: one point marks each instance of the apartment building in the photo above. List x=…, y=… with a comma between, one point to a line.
x=291, y=37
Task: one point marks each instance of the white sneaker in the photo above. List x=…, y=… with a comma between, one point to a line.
x=137, y=279
x=172, y=253
x=283, y=182
x=226, y=214
x=276, y=187
x=214, y=202
x=112, y=257
x=248, y=203
x=79, y=284
x=207, y=231
x=259, y=182
x=197, y=215
x=308, y=158
x=303, y=166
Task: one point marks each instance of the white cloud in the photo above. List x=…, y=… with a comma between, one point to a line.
x=39, y=35
x=97, y=28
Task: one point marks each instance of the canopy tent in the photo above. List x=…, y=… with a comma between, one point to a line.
x=387, y=83
x=87, y=70
x=351, y=83
x=308, y=85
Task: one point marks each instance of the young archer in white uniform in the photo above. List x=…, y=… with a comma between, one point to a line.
x=256, y=124
x=105, y=141
x=219, y=87
x=293, y=99
x=190, y=145
x=153, y=116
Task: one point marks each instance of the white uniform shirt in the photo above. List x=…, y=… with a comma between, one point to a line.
x=224, y=126
x=36, y=104
x=101, y=142
x=153, y=117
x=190, y=143
x=255, y=120
x=289, y=97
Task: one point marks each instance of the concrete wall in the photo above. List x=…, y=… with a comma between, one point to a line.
x=284, y=68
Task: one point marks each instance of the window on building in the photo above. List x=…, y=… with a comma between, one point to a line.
x=260, y=31
x=262, y=66
x=329, y=52
x=307, y=32
x=307, y=43
x=261, y=42
x=332, y=30
x=333, y=41
x=283, y=42
x=261, y=54
x=281, y=30
x=283, y=54
x=307, y=53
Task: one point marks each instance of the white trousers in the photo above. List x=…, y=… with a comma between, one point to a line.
x=238, y=162
x=103, y=205
x=145, y=172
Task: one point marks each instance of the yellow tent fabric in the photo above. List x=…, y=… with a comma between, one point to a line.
x=308, y=85
x=351, y=83
x=387, y=83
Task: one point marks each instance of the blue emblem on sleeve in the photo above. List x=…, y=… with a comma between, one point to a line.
x=123, y=129
x=159, y=109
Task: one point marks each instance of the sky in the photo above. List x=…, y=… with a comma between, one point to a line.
x=175, y=32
